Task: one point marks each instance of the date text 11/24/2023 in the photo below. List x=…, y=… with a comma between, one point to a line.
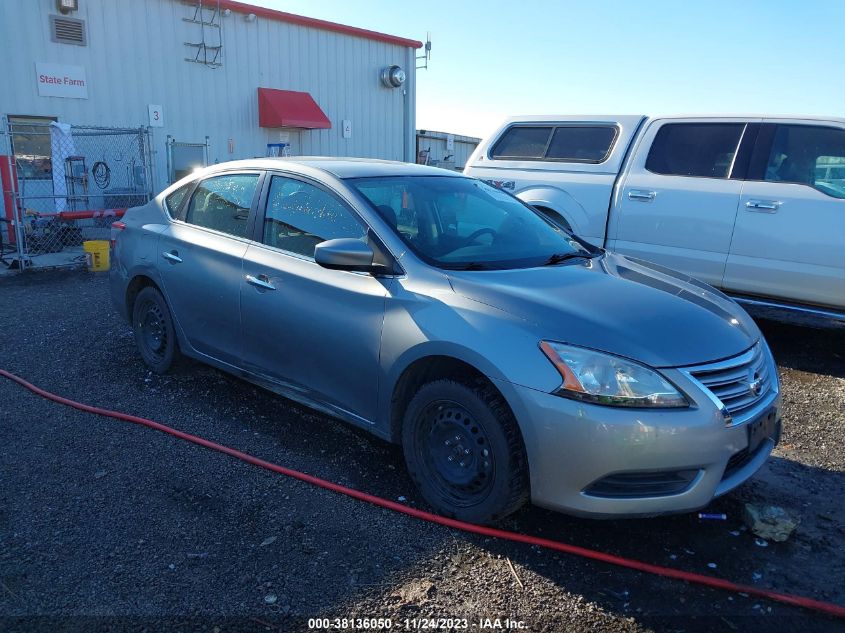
x=417, y=624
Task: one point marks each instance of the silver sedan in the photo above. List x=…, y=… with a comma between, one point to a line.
x=511, y=360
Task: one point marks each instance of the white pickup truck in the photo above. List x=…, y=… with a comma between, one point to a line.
x=754, y=206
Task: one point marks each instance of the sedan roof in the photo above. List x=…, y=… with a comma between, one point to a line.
x=339, y=167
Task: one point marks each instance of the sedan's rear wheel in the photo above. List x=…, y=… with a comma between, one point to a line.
x=464, y=451
x=154, y=332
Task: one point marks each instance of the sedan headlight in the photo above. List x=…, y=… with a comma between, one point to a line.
x=610, y=380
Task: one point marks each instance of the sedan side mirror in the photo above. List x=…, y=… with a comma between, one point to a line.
x=345, y=254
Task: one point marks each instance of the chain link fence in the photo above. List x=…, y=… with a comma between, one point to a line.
x=63, y=185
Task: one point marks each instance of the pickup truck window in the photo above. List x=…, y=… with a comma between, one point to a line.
x=809, y=155
x=581, y=143
x=704, y=150
x=566, y=143
x=523, y=142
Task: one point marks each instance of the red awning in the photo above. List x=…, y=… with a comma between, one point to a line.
x=287, y=108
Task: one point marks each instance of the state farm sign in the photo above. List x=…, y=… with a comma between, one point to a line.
x=60, y=80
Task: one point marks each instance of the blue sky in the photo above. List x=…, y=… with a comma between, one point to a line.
x=494, y=59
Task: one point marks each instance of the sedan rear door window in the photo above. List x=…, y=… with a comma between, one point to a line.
x=222, y=203
x=174, y=200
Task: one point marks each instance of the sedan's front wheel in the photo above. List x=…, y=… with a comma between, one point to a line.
x=154, y=332
x=464, y=451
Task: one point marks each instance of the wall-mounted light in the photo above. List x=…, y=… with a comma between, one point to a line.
x=249, y=17
x=67, y=6
x=393, y=76
x=227, y=13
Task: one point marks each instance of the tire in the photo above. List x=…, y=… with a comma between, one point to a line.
x=464, y=451
x=155, y=335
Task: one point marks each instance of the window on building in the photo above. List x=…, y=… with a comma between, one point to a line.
x=31, y=146
x=299, y=216
x=222, y=203
x=705, y=150
x=184, y=158
x=809, y=155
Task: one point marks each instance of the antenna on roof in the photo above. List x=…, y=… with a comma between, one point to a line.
x=426, y=53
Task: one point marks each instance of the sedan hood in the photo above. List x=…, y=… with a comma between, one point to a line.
x=618, y=305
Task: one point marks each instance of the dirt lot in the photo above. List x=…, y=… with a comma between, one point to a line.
x=108, y=526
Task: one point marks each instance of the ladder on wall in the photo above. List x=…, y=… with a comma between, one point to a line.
x=210, y=45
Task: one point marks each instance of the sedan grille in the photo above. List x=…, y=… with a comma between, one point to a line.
x=739, y=383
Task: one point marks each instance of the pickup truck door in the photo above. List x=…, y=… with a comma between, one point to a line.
x=789, y=240
x=677, y=204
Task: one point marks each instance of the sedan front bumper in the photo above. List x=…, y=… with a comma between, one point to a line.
x=599, y=461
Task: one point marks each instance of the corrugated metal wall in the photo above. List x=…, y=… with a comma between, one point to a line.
x=135, y=57
x=435, y=143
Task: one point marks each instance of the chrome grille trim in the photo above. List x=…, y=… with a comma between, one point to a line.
x=729, y=383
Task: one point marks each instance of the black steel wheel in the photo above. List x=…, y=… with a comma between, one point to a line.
x=464, y=451
x=154, y=332
x=456, y=451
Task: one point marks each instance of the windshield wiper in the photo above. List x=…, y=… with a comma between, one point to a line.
x=557, y=258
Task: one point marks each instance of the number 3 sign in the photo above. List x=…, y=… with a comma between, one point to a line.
x=156, y=115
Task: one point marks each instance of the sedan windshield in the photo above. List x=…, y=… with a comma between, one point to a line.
x=465, y=224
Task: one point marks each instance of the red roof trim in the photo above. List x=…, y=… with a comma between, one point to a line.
x=288, y=108
x=301, y=20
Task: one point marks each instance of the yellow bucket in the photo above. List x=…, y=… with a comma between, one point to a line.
x=96, y=255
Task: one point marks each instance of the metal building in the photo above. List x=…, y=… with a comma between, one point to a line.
x=105, y=102
x=441, y=149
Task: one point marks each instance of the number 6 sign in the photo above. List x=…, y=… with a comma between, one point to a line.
x=156, y=115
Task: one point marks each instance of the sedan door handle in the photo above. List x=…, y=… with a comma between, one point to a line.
x=640, y=195
x=763, y=206
x=172, y=257
x=262, y=281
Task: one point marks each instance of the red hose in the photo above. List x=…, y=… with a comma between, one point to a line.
x=701, y=579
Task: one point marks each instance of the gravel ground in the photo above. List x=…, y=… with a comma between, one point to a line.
x=109, y=526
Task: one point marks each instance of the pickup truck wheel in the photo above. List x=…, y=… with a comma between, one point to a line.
x=155, y=335
x=464, y=451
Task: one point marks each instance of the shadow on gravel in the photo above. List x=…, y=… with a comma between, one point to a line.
x=809, y=349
